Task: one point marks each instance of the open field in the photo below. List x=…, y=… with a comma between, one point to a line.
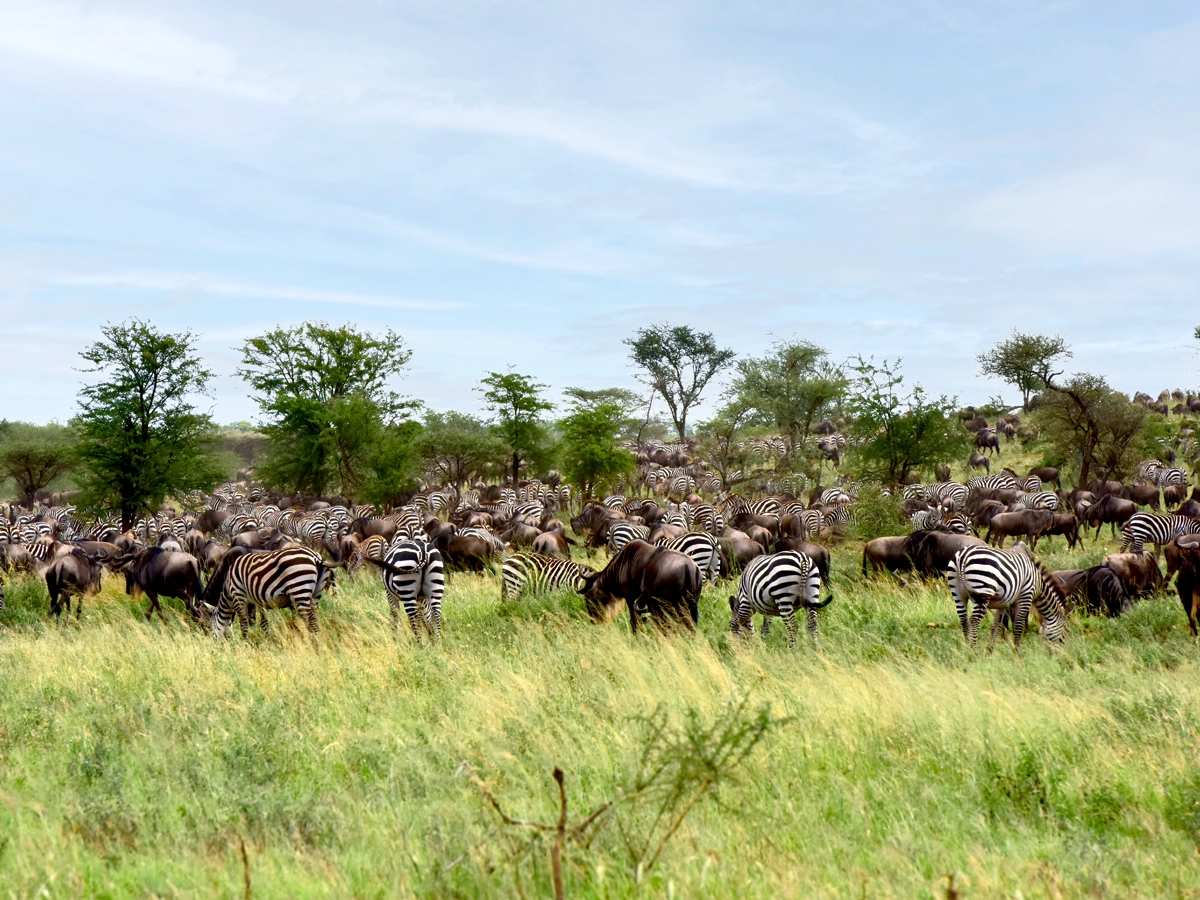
x=137, y=759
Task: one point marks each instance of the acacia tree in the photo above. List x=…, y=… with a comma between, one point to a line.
x=34, y=456
x=1089, y=422
x=791, y=387
x=329, y=409
x=516, y=402
x=1026, y=361
x=901, y=430
x=677, y=362
x=456, y=447
x=140, y=438
x=592, y=454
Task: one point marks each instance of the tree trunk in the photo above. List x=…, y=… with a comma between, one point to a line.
x=681, y=424
x=516, y=468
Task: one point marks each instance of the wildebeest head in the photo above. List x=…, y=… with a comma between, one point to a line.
x=599, y=603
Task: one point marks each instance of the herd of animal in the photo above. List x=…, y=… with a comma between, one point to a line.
x=237, y=553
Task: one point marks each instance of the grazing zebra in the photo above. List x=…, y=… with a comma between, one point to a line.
x=1152, y=528
x=843, y=515
x=1040, y=500
x=956, y=523
x=947, y=493
x=1000, y=482
x=702, y=548
x=926, y=519
x=706, y=518
x=1032, y=484
x=1009, y=582
x=412, y=572
x=622, y=533
x=775, y=586
x=767, y=506
x=294, y=576
x=534, y=573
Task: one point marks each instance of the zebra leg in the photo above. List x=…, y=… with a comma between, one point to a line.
x=1020, y=619
x=999, y=626
x=977, y=614
x=394, y=608
x=960, y=600
x=433, y=619
x=813, y=630
x=414, y=617
x=766, y=626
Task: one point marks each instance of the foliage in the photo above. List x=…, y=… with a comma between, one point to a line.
x=878, y=513
x=792, y=387
x=677, y=362
x=456, y=448
x=34, y=456
x=591, y=454
x=722, y=443
x=1095, y=427
x=140, y=438
x=900, y=431
x=1025, y=361
x=516, y=402
x=325, y=394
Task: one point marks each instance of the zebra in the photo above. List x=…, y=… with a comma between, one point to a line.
x=926, y=519
x=955, y=523
x=842, y=515
x=1040, y=500
x=702, y=548
x=999, y=482
x=484, y=534
x=1155, y=529
x=413, y=571
x=949, y=494
x=1032, y=484
x=835, y=497
x=534, y=573
x=1171, y=476
x=706, y=518
x=767, y=506
x=622, y=533
x=1009, y=582
x=294, y=576
x=775, y=586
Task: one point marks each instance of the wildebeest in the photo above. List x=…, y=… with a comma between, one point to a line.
x=1141, y=494
x=1105, y=592
x=466, y=552
x=979, y=461
x=664, y=583
x=1139, y=572
x=1048, y=474
x=157, y=572
x=552, y=543
x=986, y=439
x=1029, y=523
x=1114, y=510
x=72, y=574
x=1188, y=586
x=1066, y=524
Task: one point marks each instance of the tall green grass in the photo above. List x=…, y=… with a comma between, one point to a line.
x=136, y=760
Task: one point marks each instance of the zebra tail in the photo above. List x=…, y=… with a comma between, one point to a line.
x=821, y=604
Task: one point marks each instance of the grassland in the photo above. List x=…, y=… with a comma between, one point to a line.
x=138, y=760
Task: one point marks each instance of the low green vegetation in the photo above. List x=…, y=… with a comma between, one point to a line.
x=139, y=760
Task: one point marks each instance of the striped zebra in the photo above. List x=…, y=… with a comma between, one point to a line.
x=1009, y=582
x=775, y=586
x=1153, y=528
x=1001, y=481
x=702, y=548
x=413, y=573
x=956, y=523
x=245, y=580
x=947, y=493
x=533, y=573
x=1171, y=476
x=811, y=523
x=842, y=515
x=706, y=518
x=621, y=533
x=484, y=534
x=835, y=496
x=767, y=506
x=1031, y=484
x=916, y=492
x=926, y=519
x=370, y=548
x=1040, y=500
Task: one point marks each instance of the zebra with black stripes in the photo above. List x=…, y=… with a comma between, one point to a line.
x=533, y=573
x=1154, y=528
x=950, y=494
x=1039, y=500
x=926, y=519
x=1008, y=582
x=1001, y=481
x=621, y=533
x=246, y=580
x=415, y=577
x=702, y=548
x=777, y=585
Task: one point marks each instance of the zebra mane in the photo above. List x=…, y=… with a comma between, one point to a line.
x=1049, y=585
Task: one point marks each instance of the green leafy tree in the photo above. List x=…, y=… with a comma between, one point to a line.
x=722, y=444
x=677, y=362
x=456, y=448
x=901, y=430
x=1100, y=430
x=516, y=402
x=140, y=438
x=791, y=387
x=34, y=456
x=591, y=452
x=1026, y=361
x=392, y=466
x=325, y=394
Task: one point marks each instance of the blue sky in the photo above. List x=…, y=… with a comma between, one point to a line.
x=524, y=184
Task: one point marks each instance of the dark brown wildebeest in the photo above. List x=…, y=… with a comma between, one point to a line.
x=1105, y=593
x=1066, y=524
x=365, y=527
x=986, y=439
x=739, y=549
x=465, y=551
x=943, y=471
x=890, y=553
x=1173, y=552
x=211, y=520
x=816, y=552
x=1141, y=494
x=979, y=461
x=1114, y=510
x=156, y=573
x=660, y=534
x=976, y=424
x=1070, y=582
x=663, y=583
x=1030, y=523
x=1100, y=487
x=1139, y=572
x=1188, y=586
x=72, y=575
x=931, y=551
x=520, y=535
x=1174, y=494
x=1048, y=474
x=551, y=543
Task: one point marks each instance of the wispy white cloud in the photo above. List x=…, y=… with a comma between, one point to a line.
x=193, y=282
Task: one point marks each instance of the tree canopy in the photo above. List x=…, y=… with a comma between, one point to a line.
x=1026, y=361
x=140, y=438
x=1095, y=427
x=34, y=456
x=517, y=404
x=329, y=409
x=901, y=430
x=791, y=387
x=456, y=448
x=591, y=454
x=677, y=362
